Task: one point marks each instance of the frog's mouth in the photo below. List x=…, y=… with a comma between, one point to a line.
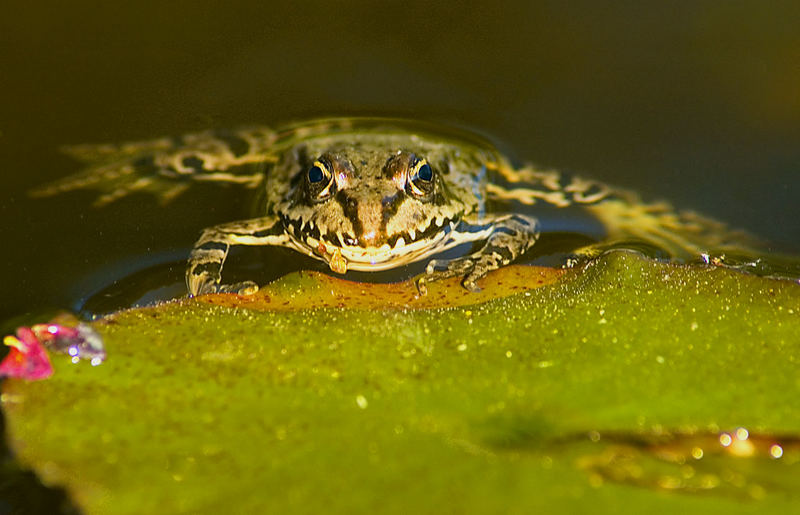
x=399, y=250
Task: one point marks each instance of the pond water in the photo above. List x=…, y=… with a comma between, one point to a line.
x=695, y=103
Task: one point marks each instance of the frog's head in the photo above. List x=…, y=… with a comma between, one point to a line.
x=370, y=207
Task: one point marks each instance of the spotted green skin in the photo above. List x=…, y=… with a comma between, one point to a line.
x=367, y=195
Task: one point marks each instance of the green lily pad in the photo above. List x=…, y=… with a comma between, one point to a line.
x=590, y=394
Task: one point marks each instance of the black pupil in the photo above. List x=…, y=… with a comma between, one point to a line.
x=425, y=173
x=315, y=174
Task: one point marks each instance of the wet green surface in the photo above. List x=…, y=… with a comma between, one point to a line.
x=481, y=409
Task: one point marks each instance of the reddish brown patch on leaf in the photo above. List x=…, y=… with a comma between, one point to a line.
x=308, y=290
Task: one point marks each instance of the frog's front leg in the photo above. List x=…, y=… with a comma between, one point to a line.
x=507, y=237
x=204, y=270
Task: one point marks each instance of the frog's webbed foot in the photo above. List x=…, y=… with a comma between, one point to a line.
x=466, y=267
x=530, y=186
x=167, y=167
x=204, y=270
x=625, y=216
x=509, y=237
x=203, y=276
x=204, y=283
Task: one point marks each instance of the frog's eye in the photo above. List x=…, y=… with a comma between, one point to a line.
x=420, y=179
x=320, y=181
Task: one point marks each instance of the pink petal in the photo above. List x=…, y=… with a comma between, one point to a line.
x=27, y=358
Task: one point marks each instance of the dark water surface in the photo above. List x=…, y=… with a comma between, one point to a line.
x=694, y=102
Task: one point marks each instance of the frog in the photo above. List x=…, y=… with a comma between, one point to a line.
x=372, y=194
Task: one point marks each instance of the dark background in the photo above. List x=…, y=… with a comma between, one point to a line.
x=697, y=102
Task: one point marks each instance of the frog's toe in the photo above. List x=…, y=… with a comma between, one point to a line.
x=422, y=288
x=469, y=284
x=242, y=288
x=201, y=282
x=444, y=269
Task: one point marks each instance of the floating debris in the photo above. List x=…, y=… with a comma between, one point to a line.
x=81, y=342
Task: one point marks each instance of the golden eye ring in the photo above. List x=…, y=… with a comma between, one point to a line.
x=319, y=180
x=421, y=179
